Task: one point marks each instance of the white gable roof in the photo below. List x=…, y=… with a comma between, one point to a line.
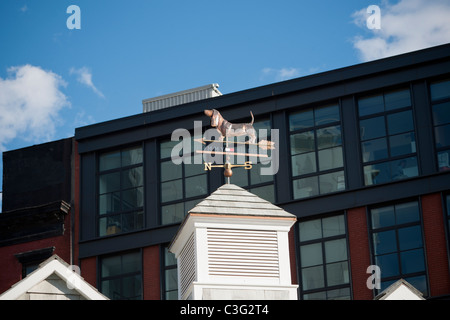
x=46, y=282
x=400, y=290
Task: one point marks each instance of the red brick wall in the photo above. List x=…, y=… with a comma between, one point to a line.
x=11, y=269
x=151, y=273
x=292, y=256
x=435, y=245
x=88, y=268
x=359, y=252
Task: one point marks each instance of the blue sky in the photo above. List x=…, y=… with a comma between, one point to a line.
x=53, y=79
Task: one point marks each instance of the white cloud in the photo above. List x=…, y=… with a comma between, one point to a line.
x=30, y=99
x=84, y=76
x=406, y=26
x=281, y=74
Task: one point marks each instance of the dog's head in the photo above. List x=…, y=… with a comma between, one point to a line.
x=215, y=116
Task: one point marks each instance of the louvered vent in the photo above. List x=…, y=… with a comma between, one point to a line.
x=187, y=264
x=242, y=253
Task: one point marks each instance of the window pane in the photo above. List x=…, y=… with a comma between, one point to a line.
x=337, y=273
x=400, y=122
x=193, y=169
x=304, y=164
x=131, y=156
x=332, y=182
x=256, y=176
x=335, y=250
x=440, y=90
x=383, y=217
x=333, y=226
x=372, y=128
x=397, y=99
x=195, y=186
x=313, y=278
x=374, y=150
x=111, y=266
x=172, y=190
x=240, y=177
x=302, y=142
x=111, y=288
x=131, y=262
x=328, y=114
x=170, y=171
x=370, y=105
x=420, y=283
x=266, y=192
x=410, y=238
x=166, y=148
x=133, y=198
x=311, y=254
x=322, y=295
x=404, y=168
x=384, y=242
x=172, y=213
x=377, y=173
x=444, y=160
x=110, y=225
x=110, y=160
x=402, y=144
x=171, y=279
x=169, y=258
x=131, y=288
x=132, y=178
x=329, y=137
x=388, y=264
x=339, y=294
x=441, y=113
x=310, y=230
x=109, y=203
x=412, y=261
x=330, y=158
x=109, y=182
x=442, y=135
x=306, y=187
x=407, y=212
x=301, y=120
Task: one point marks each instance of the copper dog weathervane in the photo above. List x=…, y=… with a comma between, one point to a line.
x=226, y=130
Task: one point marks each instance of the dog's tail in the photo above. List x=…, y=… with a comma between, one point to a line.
x=253, y=118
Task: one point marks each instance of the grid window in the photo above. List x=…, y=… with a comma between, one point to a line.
x=440, y=97
x=253, y=180
x=447, y=202
x=182, y=186
x=388, y=140
x=120, y=191
x=170, y=277
x=317, y=162
x=121, y=276
x=397, y=240
x=324, y=266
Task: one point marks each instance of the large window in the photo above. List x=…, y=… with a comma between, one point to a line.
x=440, y=97
x=182, y=186
x=121, y=276
x=253, y=180
x=397, y=240
x=120, y=191
x=170, y=276
x=317, y=162
x=324, y=266
x=388, y=140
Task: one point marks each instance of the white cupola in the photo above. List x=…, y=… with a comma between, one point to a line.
x=234, y=245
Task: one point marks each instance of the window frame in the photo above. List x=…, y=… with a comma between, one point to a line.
x=121, y=276
x=183, y=200
x=317, y=173
x=388, y=280
x=389, y=159
x=322, y=240
x=120, y=169
x=433, y=103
